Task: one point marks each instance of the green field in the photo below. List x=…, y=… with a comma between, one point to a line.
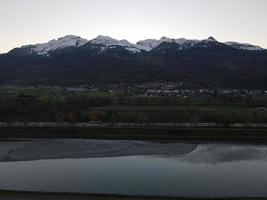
x=61, y=105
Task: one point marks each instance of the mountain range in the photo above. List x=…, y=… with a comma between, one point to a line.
x=72, y=60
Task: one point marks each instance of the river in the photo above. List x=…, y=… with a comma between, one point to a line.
x=135, y=168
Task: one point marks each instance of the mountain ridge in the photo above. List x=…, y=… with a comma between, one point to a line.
x=107, y=42
x=73, y=61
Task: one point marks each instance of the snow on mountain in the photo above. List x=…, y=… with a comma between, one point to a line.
x=150, y=44
x=183, y=41
x=244, y=46
x=109, y=42
x=187, y=43
x=60, y=43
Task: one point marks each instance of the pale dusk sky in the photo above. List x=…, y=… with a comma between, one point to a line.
x=25, y=22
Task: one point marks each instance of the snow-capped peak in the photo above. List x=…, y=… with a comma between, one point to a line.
x=244, y=46
x=106, y=40
x=187, y=43
x=109, y=42
x=166, y=39
x=150, y=44
x=60, y=43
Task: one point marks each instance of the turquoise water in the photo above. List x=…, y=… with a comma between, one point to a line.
x=211, y=170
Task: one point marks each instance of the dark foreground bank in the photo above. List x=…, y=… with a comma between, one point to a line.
x=12, y=195
x=139, y=133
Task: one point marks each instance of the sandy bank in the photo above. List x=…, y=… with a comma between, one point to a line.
x=38, y=149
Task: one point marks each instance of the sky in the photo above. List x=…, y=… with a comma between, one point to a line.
x=25, y=22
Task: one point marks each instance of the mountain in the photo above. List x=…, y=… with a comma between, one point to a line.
x=72, y=60
x=244, y=46
x=60, y=43
x=107, y=42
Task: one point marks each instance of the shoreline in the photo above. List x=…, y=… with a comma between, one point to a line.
x=14, y=195
x=254, y=135
x=25, y=195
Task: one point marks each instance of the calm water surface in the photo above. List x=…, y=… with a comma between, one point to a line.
x=210, y=170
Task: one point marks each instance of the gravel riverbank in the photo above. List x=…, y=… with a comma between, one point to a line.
x=40, y=149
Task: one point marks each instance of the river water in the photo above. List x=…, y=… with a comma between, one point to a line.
x=208, y=170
